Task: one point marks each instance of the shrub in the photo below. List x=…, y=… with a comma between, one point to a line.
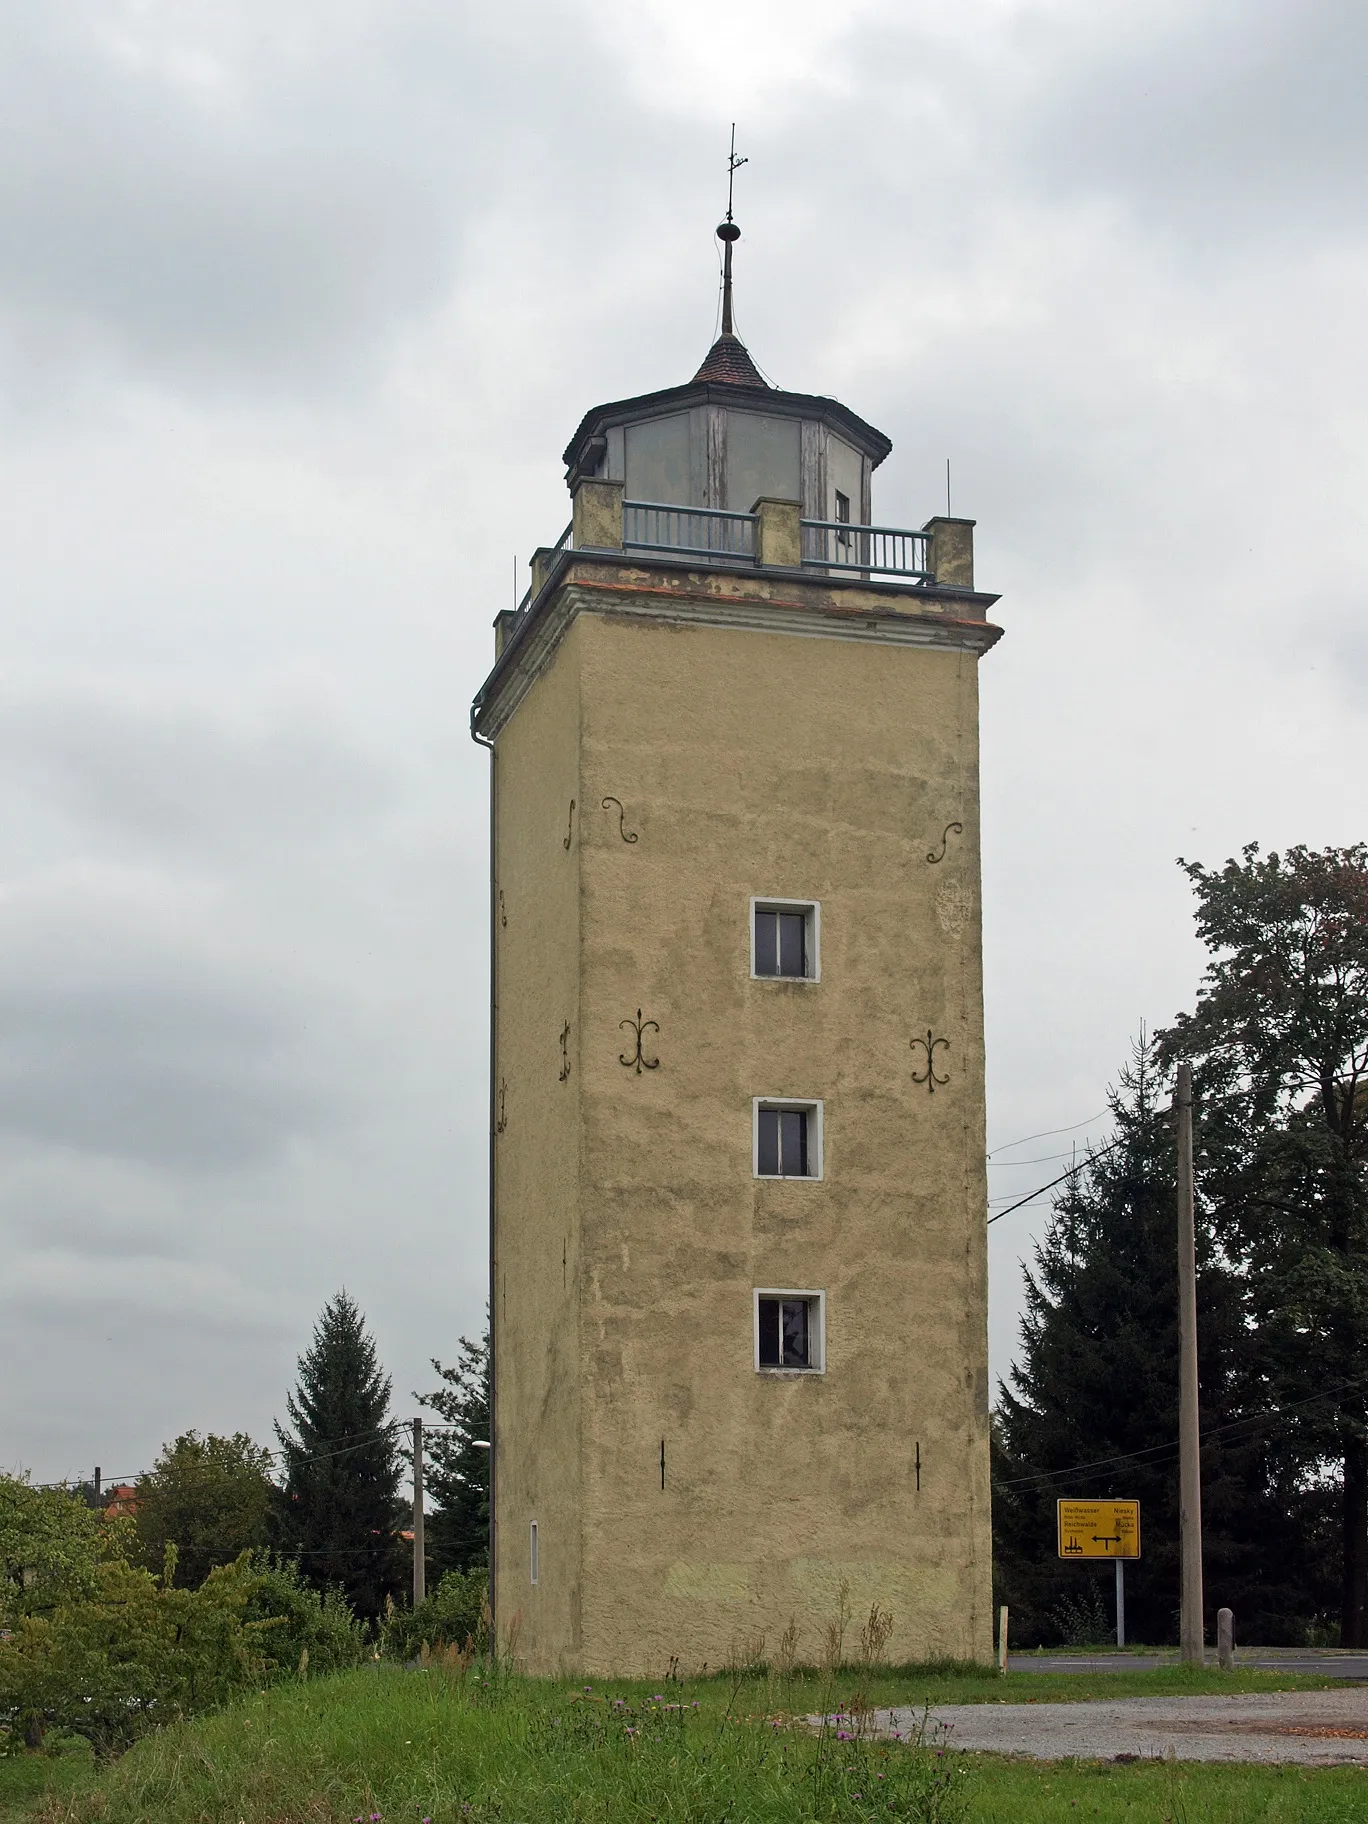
x=51, y=1547
x=293, y=1618
x=456, y=1612
x=136, y=1653
x=131, y=1651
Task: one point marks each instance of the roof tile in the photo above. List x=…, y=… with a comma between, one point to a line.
x=729, y=362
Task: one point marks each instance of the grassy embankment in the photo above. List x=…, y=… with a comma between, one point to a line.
x=408, y=1746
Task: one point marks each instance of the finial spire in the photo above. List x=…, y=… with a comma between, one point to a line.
x=727, y=233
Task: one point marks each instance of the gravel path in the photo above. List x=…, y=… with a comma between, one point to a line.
x=1317, y=1727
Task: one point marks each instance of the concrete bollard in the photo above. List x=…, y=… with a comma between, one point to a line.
x=1225, y=1639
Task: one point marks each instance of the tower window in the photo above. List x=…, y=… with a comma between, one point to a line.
x=790, y=1332
x=788, y=1139
x=843, y=514
x=784, y=938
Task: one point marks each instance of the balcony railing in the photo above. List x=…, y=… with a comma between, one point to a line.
x=701, y=531
x=835, y=544
x=711, y=535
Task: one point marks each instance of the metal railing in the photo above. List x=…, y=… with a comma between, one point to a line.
x=835, y=544
x=701, y=531
x=563, y=543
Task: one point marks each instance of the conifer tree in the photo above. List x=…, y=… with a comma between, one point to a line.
x=1092, y=1407
x=338, y=1511
x=458, y=1478
x=1278, y=1043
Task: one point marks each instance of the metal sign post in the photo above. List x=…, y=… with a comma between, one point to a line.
x=1101, y=1529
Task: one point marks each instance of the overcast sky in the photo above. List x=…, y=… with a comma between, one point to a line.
x=298, y=307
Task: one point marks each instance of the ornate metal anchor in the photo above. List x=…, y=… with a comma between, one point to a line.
x=928, y=1076
x=626, y=834
x=638, y=1026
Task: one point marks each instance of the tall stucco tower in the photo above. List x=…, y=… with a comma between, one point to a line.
x=738, y=1200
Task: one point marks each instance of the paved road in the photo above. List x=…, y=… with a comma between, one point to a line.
x=1330, y=1662
x=1316, y=1727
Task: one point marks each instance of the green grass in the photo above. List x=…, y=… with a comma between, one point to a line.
x=416, y=1745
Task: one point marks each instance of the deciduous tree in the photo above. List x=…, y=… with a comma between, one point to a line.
x=210, y=1497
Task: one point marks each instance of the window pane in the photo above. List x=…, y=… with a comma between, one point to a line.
x=769, y=1333
x=768, y=1148
x=795, y=1333
x=793, y=1148
x=767, y=943
x=792, y=943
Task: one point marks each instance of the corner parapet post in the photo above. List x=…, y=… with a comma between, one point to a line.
x=950, y=557
x=778, y=533
x=539, y=568
x=598, y=515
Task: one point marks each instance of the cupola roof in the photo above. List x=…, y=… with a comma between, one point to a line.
x=729, y=361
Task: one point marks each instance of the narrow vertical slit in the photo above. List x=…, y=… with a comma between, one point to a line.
x=662, y=1464
x=918, y=1462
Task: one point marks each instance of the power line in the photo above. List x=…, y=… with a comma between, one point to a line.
x=1047, y=1134
x=1254, y=1419
x=1096, y=1153
x=280, y=1455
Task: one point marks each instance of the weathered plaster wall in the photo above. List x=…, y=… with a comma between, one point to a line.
x=747, y=764
x=537, y=1242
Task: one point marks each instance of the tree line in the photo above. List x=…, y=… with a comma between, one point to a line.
x=334, y=1503
x=225, y=1572
x=1278, y=1045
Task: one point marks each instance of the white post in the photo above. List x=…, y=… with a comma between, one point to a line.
x=1225, y=1639
x=1002, y=1638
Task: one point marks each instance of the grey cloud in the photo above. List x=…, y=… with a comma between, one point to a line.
x=258, y=240
x=152, y=1064
x=204, y=786
x=1234, y=127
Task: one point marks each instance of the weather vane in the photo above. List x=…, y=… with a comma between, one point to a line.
x=728, y=232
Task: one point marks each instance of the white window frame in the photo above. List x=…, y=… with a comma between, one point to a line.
x=534, y=1546
x=816, y=1326
x=816, y=1153
x=812, y=909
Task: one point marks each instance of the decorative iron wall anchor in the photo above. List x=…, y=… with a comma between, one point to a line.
x=502, y=1121
x=565, y=1051
x=569, y=825
x=503, y=914
x=935, y=855
x=928, y=1076
x=626, y=834
x=638, y=1026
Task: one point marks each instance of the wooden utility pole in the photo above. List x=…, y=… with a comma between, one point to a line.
x=419, y=1565
x=1189, y=1436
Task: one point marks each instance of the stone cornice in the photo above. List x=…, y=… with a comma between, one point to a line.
x=750, y=600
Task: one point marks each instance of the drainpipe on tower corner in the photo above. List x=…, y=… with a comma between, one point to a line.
x=493, y=1123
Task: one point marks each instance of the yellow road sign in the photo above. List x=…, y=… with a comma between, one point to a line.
x=1099, y=1529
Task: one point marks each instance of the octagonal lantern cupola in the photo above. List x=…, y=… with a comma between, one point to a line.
x=727, y=438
